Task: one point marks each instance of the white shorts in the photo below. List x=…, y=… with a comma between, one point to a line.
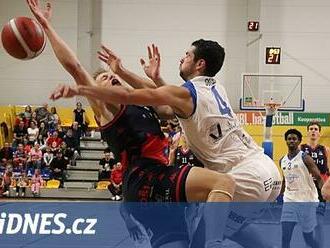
x=257, y=179
x=302, y=213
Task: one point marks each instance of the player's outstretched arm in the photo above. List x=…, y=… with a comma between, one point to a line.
x=313, y=170
x=178, y=98
x=63, y=52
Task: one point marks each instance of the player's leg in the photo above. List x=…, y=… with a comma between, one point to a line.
x=308, y=222
x=319, y=229
x=289, y=218
x=287, y=229
x=309, y=239
x=203, y=185
x=210, y=186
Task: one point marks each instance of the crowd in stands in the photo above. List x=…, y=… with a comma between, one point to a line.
x=42, y=150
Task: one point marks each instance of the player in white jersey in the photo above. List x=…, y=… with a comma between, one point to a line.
x=211, y=127
x=299, y=170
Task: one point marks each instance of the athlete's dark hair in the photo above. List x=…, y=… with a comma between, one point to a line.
x=212, y=53
x=312, y=123
x=293, y=131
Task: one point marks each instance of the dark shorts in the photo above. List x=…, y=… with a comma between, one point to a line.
x=148, y=181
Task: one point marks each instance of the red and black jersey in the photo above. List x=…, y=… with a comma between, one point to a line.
x=319, y=155
x=186, y=157
x=136, y=131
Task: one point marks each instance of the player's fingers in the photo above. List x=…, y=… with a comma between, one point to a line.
x=142, y=62
x=31, y=4
x=157, y=53
x=68, y=91
x=48, y=6
x=103, y=56
x=104, y=60
x=153, y=49
x=149, y=52
x=108, y=51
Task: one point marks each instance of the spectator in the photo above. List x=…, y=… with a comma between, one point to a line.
x=36, y=183
x=3, y=166
x=1, y=187
x=58, y=165
x=6, y=165
x=61, y=132
x=33, y=133
x=20, y=133
x=35, y=157
x=53, y=119
x=6, y=152
x=106, y=165
x=116, y=180
x=6, y=182
x=72, y=145
x=48, y=157
x=19, y=158
x=76, y=132
x=182, y=155
x=79, y=116
x=43, y=133
x=20, y=117
x=21, y=184
x=27, y=112
x=54, y=141
x=42, y=113
x=34, y=118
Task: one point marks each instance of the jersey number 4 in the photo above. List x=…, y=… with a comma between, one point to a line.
x=223, y=107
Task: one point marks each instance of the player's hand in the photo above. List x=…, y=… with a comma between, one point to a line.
x=111, y=59
x=325, y=191
x=152, y=69
x=64, y=91
x=43, y=16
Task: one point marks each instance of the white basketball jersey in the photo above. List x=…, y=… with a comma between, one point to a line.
x=299, y=185
x=213, y=132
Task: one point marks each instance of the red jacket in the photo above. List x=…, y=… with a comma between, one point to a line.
x=116, y=176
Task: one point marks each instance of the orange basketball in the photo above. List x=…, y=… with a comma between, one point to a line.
x=23, y=38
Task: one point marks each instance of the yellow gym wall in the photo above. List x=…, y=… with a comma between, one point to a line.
x=280, y=148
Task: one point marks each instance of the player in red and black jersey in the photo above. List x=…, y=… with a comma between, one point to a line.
x=320, y=154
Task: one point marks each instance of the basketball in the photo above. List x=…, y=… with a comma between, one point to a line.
x=23, y=38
